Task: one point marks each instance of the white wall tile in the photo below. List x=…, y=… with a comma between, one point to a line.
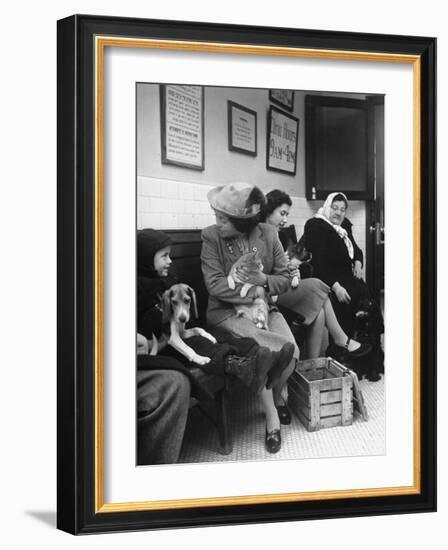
x=184, y=220
x=144, y=204
x=177, y=206
x=154, y=188
x=151, y=220
x=186, y=191
x=166, y=206
x=200, y=192
x=170, y=190
x=155, y=205
x=148, y=187
x=191, y=207
x=171, y=221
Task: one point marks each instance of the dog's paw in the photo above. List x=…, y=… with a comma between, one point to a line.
x=206, y=334
x=200, y=359
x=295, y=282
x=210, y=337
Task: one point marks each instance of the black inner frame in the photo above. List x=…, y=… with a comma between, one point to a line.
x=75, y=428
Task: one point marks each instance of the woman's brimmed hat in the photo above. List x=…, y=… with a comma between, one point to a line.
x=232, y=200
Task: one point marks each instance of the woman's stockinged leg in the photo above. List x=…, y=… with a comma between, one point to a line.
x=279, y=391
x=335, y=329
x=314, y=335
x=267, y=402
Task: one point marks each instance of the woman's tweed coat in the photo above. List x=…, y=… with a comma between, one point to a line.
x=217, y=260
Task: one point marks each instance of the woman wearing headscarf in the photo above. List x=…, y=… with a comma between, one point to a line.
x=237, y=231
x=337, y=259
x=310, y=298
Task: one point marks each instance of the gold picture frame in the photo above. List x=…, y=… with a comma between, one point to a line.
x=81, y=363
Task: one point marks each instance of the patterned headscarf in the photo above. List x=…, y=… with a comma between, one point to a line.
x=324, y=214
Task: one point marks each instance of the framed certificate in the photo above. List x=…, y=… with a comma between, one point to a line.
x=242, y=129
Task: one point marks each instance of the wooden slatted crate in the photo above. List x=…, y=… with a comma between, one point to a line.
x=321, y=393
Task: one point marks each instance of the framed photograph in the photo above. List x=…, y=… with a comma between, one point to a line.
x=242, y=129
x=283, y=98
x=281, y=141
x=182, y=125
x=135, y=451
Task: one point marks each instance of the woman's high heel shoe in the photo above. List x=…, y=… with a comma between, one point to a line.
x=363, y=349
x=283, y=414
x=273, y=441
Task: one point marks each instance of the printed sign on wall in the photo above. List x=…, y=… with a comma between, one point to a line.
x=282, y=137
x=182, y=118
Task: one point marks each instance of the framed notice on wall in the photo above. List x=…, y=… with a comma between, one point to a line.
x=242, y=129
x=282, y=136
x=284, y=98
x=182, y=125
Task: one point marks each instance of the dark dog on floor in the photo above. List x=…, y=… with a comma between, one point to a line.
x=368, y=328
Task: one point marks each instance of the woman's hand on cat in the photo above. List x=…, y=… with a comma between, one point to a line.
x=257, y=278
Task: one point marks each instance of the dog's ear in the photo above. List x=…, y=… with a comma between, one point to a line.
x=194, y=305
x=166, y=306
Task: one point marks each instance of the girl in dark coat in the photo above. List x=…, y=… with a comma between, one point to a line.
x=336, y=257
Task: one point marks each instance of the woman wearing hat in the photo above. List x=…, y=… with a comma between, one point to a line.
x=237, y=231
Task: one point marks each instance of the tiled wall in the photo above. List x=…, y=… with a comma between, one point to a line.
x=169, y=204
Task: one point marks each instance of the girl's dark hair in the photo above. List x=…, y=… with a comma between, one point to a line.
x=245, y=225
x=274, y=199
x=340, y=197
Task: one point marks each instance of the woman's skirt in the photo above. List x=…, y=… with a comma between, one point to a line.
x=307, y=299
x=278, y=334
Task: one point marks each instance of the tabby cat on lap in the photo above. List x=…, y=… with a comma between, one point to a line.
x=252, y=264
x=258, y=310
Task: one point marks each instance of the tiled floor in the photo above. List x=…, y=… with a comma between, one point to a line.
x=247, y=425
